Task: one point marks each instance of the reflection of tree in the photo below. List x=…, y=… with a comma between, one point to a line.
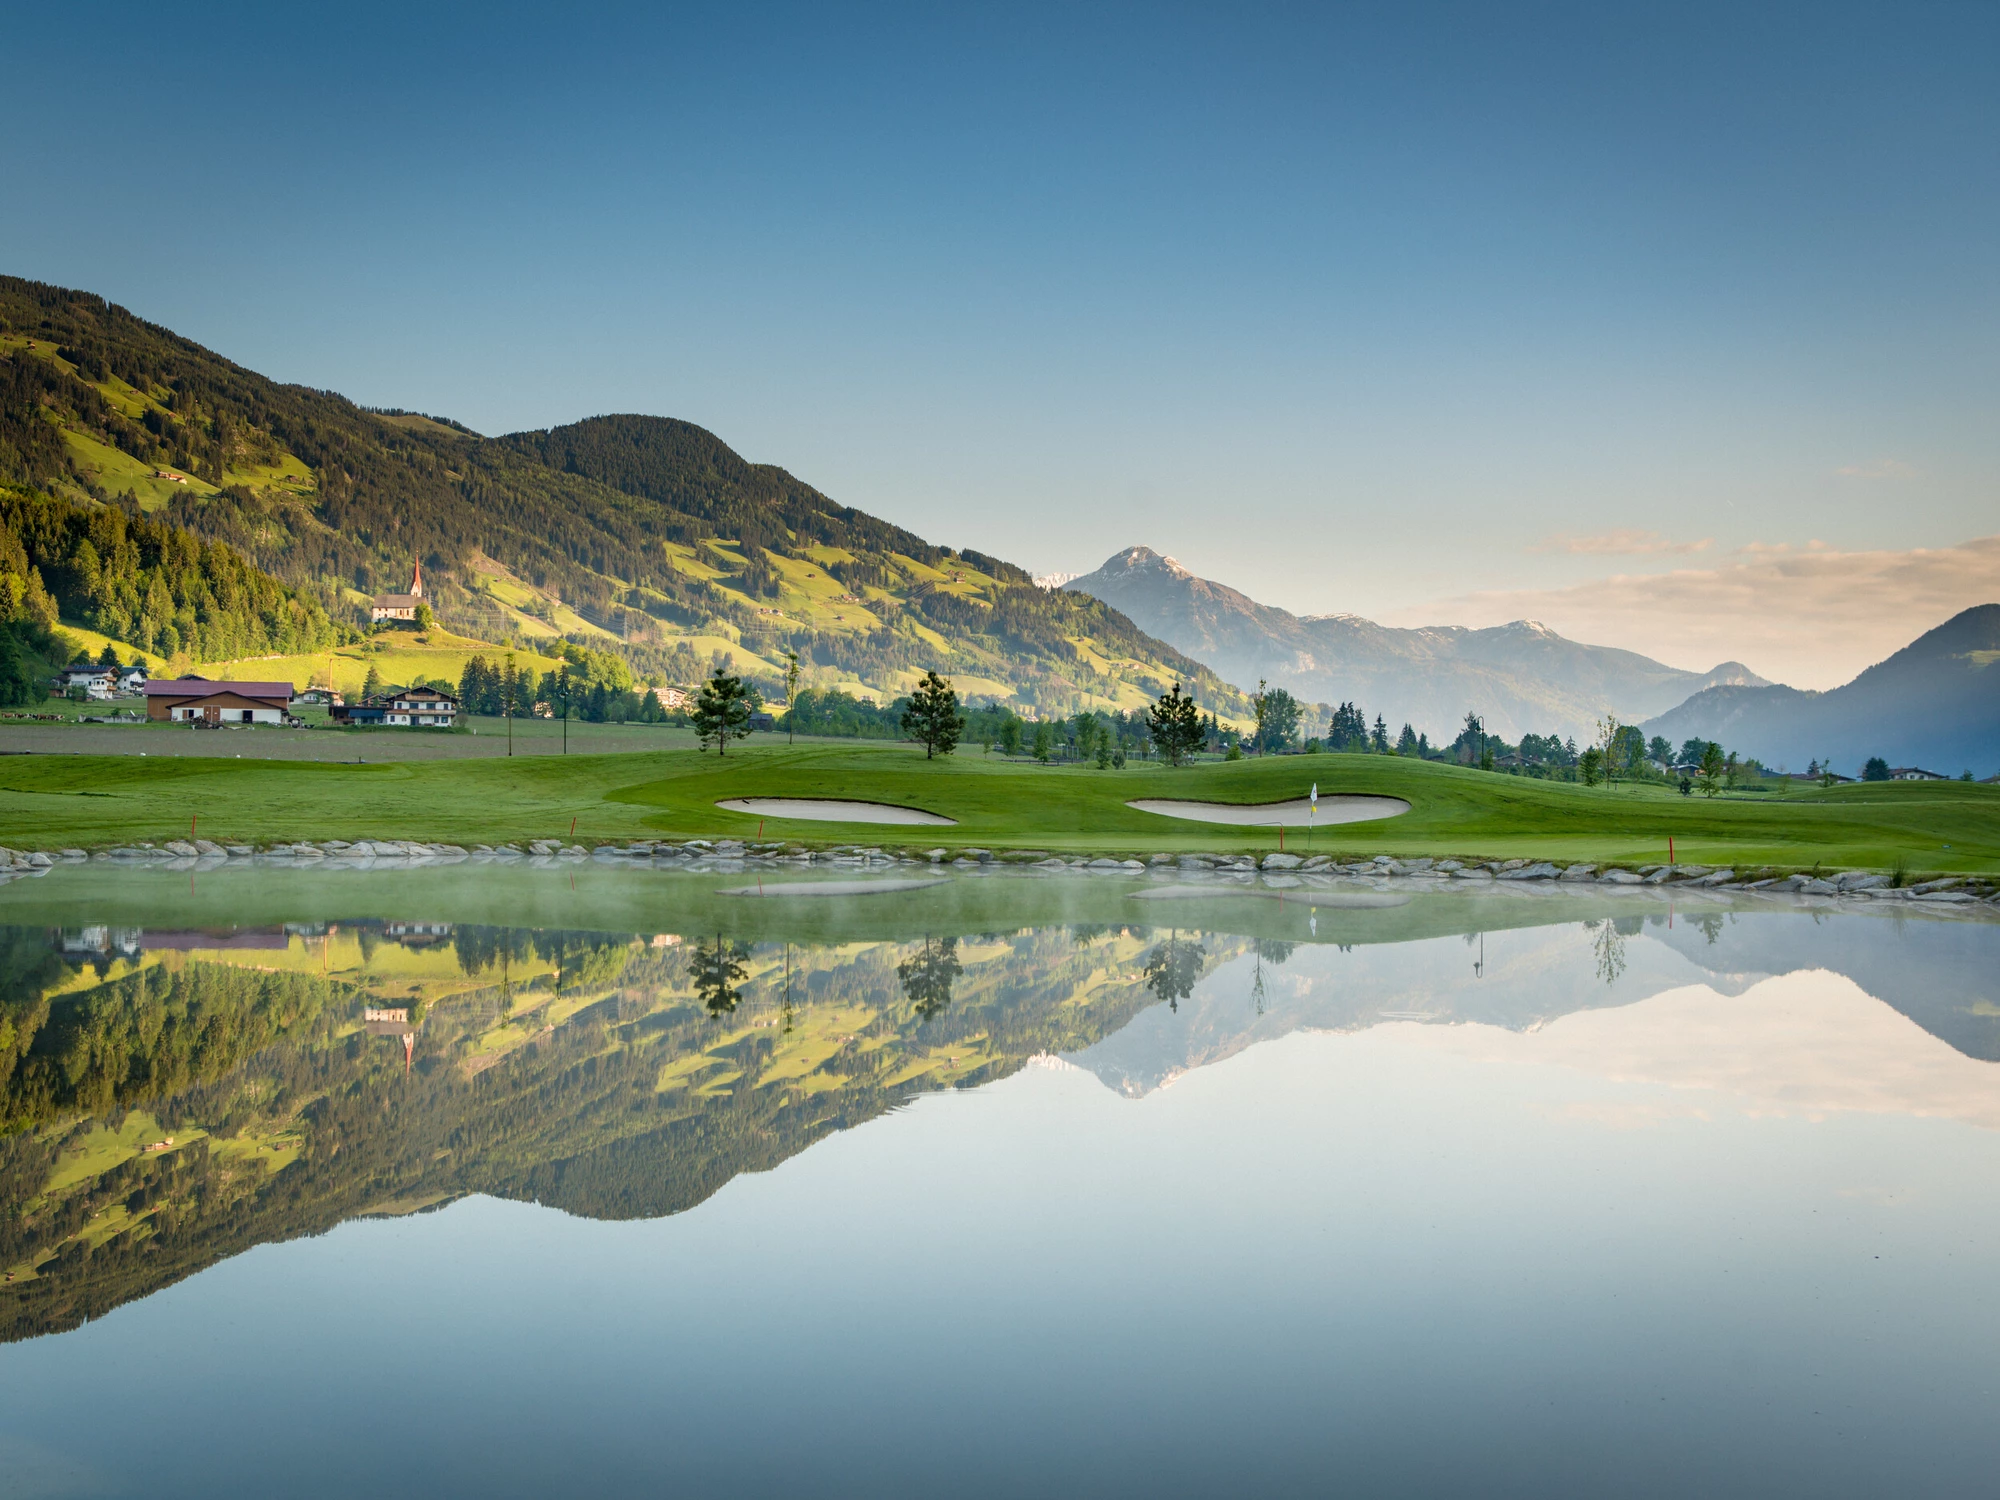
x=1711, y=924
x=927, y=976
x=480, y=948
x=717, y=968
x=1610, y=945
x=1173, y=967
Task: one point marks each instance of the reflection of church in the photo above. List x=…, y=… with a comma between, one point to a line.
x=392, y=1020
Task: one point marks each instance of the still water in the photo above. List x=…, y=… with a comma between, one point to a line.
x=549, y=1183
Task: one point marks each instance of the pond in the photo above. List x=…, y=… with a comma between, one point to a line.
x=519, y=1181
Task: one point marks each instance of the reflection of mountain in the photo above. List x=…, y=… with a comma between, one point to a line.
x=1935, y=972
x=164, y=1112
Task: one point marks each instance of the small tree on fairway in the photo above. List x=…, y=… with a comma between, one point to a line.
x=1712, y=767
x=722, y=711
x=1175, y=725
x=791, y=689
x=932, y=716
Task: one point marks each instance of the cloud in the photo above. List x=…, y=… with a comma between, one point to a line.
x=1881, y=468
x=1627, y=541
x=1811, y=616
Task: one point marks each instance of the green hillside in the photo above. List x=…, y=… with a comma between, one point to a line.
x=642, y=534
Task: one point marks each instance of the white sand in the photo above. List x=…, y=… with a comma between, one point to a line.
x=1339, y=809
x=827, y=810
x=1323, y=899
x=834, y=887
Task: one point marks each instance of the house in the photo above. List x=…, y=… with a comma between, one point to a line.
x=97, y=681
x=762, y=720
x=400, y=606
x=1914, y=773
x=422, y=708
x=197, y=700
x=408, y=708
x=132, y=679
x=319, y=697
x=673, y=699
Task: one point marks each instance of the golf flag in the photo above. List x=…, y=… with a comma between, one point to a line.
x=1315, y=797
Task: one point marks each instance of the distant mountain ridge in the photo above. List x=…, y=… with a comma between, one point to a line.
x=1935, y=704
x=1522, y=677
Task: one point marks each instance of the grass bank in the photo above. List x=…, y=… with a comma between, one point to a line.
x=97, y=801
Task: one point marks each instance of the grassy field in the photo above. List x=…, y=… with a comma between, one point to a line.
x=94, y=801
x=483, y=739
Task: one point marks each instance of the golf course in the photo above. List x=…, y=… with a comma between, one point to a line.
x=96, y=802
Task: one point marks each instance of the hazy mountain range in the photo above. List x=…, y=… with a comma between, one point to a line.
x=1521, y=677
x=1935, y=704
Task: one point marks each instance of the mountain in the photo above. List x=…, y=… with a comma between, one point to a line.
x=1934, y=704
x=1523, y=677
x=637, y=534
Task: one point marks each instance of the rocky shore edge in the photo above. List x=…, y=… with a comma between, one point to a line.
x=1271, y=870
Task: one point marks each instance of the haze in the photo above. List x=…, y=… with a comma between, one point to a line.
x=1432, y=314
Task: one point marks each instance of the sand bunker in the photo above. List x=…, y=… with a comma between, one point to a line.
x=1293, y=814
x=1324, y=900
x=829, y=810
x=834, y=888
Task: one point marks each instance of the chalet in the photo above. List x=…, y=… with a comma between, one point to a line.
x=400, y=606
x=1914, y=773
x=422, y=708
x=319, y=697
x=673, y=699
x=99, y=682
x=197, y=700
x=132, y=679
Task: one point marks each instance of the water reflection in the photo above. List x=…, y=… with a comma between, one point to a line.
x=171, y=1096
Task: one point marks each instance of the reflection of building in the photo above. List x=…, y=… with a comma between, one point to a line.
x=124, y=941
x=270, y=940
x=417, y=934
x=392, y=1020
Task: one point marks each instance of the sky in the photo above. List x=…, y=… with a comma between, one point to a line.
x=1436, y=314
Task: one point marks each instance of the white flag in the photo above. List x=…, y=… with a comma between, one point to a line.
x=1315, y=796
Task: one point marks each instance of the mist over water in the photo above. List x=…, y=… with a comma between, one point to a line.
x=572, y=1182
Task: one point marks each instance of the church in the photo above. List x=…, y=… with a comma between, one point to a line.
x=400, y=606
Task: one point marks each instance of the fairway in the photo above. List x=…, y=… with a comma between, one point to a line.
x=94, y=802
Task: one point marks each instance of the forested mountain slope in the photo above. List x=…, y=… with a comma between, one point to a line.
x=642, y=533
x=1935, y=704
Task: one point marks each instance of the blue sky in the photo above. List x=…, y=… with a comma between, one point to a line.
x=1424, y=312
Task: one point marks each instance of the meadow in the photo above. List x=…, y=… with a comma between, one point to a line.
x=94, y=801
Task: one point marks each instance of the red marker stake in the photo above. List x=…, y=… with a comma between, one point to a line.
x=1670, y=848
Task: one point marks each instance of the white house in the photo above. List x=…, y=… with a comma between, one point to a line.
x=1914, y=773
x=422, y=708
x=97, y=681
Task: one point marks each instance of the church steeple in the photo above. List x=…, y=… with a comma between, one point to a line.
x=417, y=579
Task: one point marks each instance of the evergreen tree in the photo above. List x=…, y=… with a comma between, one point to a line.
x=1175, y=725
x=372, y=684
x=1406, y=742
x=932, y=716
x=722, y=711
x=1380, y=739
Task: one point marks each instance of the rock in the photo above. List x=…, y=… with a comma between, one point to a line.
x=1160, y=859
x=1621, y=877
x=40, y=860
x=74, y=854
x=1860, y=880
x=1381, y=859
x=203, y=846
x=1049, y=864
x=241, y=851
x=1714, y=877
x=1450, y=866
x=1951, y=896
x=1105, y=864
x=1660, y=875
x=1282, y=862
x=1469, y=874
x=1418, y=866
x=1317, y=862
x=1819, y=888
x=935, y=856
x=1512, y=864
x=1947, y=883
x=1195, y=862
x=1691, y=872
x=984, y=856
x=1578, y=872
x=1542, y=871
x=181, y=849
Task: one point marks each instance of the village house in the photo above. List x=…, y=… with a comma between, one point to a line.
x=422, y=708
x=99, y=682
x=400, y=606
x=319, y=697
x=1914, y=773
x=673, y=699
x=197, y=700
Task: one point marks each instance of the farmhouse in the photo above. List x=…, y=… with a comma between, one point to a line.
x=185, y=699
x=400, y=606
x=423, y=708
x=1914, y=773
x=97, y=681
